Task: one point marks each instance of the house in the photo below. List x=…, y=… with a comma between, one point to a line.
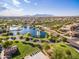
x=8, y=52
x=74, y=30
x=0, y=48
x=65, y=28
x=74, y=35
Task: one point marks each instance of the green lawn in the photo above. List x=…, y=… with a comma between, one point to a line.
x=24, y=49
x=63, y=51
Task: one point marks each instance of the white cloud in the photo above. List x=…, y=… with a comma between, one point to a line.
x=27, y=1
x=16, y=2
x=2, y=4
x=5, y=5
x=12, y=12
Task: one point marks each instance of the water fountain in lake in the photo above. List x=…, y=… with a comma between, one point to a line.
x=38, y=33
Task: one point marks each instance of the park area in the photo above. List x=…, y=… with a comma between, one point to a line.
x=24, y=50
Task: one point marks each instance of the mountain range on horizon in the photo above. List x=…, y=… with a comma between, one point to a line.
x=36, y=15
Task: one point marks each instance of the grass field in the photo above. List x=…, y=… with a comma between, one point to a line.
x=63, y=51
x=24, y=50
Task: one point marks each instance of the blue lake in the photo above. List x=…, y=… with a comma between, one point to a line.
x=31, y=30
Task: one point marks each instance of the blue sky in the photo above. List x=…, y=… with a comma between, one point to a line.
x=31, y=7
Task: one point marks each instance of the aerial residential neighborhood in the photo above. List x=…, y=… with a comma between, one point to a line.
x=23, y=40
x=39, y=29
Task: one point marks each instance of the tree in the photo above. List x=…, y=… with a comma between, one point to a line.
x=21, y=37
x=0, y=41
x=10, y=33
x=13, y=38
x=18, y=33
x=27, y=39
x=68, y=52
x=64, y=39
x=47, y=35
x=55, y=38
x=16, y=41
x=7, y=44
x=28, y=35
